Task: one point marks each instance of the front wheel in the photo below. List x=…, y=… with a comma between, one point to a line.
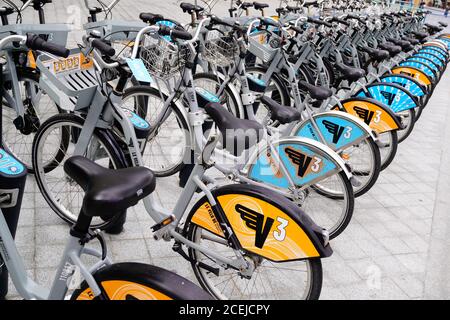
x=408, y=121
x=137, y=281
x=296, y=280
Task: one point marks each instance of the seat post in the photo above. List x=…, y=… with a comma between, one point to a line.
x=81, y=227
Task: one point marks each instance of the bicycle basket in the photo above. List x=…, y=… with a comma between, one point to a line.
x=163, y=58
x=70, y=82
x=263, y=45
x=220, y=50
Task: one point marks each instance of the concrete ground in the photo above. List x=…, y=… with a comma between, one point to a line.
x=394, y=248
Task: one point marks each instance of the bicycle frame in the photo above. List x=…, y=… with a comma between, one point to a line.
x=27, y=288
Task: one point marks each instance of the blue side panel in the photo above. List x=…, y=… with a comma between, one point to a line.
x=406, y=83
x=447, y=41
x=435, y=52
x=338, y=132
x=425, y=62
x=302, y=164
x=398, y=100
x=9, y=165
x=431, y=57
x=419, y=66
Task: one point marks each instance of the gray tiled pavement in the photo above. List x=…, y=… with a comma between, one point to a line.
x=395, y=247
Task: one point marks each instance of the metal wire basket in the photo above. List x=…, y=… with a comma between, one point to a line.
x=163, y=58
x=220, y=50
x=263, y=45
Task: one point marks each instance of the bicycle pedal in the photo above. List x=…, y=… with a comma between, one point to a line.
x=163, y=223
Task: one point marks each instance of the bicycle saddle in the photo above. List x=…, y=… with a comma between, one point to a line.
x=292, y=8
x=282, y=114
x=259, y=5
x=405, y=45
x=350, y=73
x=246, y=5
x=150, y=18
x=107, y=191
x=316, y=92
x=189, y=7
x=391, y=48
x=411, y=40
x=443, y=24
x=376, y=54
x=237, y=134
x=420, y=35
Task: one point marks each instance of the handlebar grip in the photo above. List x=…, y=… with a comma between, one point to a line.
x=103, y=47
x=35, y=42
x=342, y=21
x=174, y=33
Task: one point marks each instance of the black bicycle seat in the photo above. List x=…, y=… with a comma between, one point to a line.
x=420, y=35
x=292, y=8
x=107, y=191
x=316, y=92
x=282, y=114
x=189, y=7
x=150, y=18
x=443, y=24
x=6, y=11
x=391, y=48
x=411, y=40
x=238, y=134
x=350, y=73
x=376, y=54
x=246, y=5
x=259, y=5
x=406, y=45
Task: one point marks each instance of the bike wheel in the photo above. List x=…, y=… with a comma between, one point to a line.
x=168, y=142
x=137, y=281
x=330, y=203
x=286, y=280
x=38, y=108
x=275, y=89
x=365, y=164
x=55, y=142
x=388, y=151
x=408, y=121
x=212, y=83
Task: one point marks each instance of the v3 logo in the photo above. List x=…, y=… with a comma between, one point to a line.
x=367, y=115
x=389, y=96
x=337, y=130
x=255, y=221
x=303, y=161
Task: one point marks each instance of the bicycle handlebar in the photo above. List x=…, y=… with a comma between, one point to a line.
x=35, y=42
x=103, y=47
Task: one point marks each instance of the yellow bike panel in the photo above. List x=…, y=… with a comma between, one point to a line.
x=260, y=227
x=416, y=74
x=125, y=290
x=378, y=119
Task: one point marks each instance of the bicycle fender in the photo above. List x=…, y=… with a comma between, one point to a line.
x=306, y=161
x=339, y=129
x=376, y=115
x=415, y=88
x=264, y=222
x=414, y=73
x=235, y=91
x=394, y=96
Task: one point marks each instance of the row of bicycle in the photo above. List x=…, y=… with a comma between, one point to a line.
x=298, y=114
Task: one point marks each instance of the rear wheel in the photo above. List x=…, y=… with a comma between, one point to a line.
x=389, y=140
x=296, y=280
